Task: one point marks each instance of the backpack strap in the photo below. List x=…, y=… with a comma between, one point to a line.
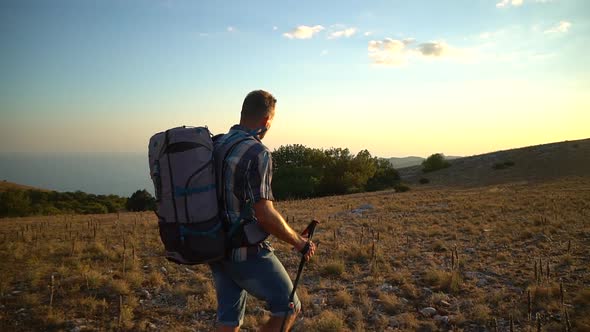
x=226, y=219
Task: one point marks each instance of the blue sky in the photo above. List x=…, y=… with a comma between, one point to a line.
x=395, y=77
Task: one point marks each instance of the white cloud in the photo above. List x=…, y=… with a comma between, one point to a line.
x=231, y=29
x=393, y=52
x=562, y=27
x=324, y=53
x=275, y=28
x=368, y=33
x=516, y=3
x=508, y=3
x=388, y=52
x=348, y=32
x=303, y=32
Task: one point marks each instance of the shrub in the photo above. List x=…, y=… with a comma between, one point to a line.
x=424, y=181
x=401, y=188
x=333, y=268
x=434, y=162
x=342, y=298
x=503, y=165
x=327, y=321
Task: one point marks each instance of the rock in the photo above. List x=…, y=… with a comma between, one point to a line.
x=152, y=326
x=428, y=311
x=387, y=287
x=187, y=270
x=441, y=319
x=427, y=291
x=163, y=269
x=146, y=267
x=21, y=310
x=470, y=250
x=444, y=303
x=482, y=282
x=366, y=207
x=146, y=294
x=16, y=292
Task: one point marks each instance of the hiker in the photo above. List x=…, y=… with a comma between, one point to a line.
x=244, y=166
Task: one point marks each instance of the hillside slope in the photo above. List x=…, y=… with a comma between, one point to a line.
x=6, y=185
x=533, y=163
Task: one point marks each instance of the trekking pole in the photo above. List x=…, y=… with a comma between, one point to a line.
x=309, y=230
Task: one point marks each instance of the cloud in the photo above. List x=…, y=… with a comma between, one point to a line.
x=434, y=49
x=393, y=52
x=562, y=27
x=303, y=32
x=388, y=52
x=516, y=3
x=324, y=53
x=231, y=29
x=508, y=3
x=348, y=32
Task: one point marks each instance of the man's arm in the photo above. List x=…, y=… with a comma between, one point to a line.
x=272, y=222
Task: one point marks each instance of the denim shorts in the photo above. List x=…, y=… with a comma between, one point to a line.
x=261, y=275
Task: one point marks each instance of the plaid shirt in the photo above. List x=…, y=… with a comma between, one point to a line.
x=246, y=174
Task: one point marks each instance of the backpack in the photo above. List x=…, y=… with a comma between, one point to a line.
x=183, y=172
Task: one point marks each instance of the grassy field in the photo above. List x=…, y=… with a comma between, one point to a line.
x=433, y=258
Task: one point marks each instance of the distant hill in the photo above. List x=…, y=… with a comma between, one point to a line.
x=411, y=161
x=533, y=163
x=6, y=185
x=405, y=161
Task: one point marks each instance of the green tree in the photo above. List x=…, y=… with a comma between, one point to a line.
x=141, y=200
x=15, y=203
x=435, y=162
x=385, y=176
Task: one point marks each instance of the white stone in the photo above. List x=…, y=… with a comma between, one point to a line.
x=428, y=311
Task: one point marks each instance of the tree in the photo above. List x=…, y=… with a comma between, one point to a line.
x=15, y=203
x=385, y=176
x=141, y=200
x=434, y=162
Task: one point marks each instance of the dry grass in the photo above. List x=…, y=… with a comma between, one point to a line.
x=373, y=271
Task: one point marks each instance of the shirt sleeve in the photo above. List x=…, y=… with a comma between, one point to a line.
x=261, y=177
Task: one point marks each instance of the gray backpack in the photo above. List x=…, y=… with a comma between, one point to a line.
x=182, y=169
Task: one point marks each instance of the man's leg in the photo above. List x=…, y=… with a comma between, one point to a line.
x=275, y=322
x=231, y=299
x=265, y=278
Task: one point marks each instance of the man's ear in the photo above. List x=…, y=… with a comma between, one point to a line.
x=265, y=121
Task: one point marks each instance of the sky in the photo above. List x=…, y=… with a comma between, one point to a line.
x=399, y=78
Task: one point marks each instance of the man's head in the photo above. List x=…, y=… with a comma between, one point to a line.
x=258, y=110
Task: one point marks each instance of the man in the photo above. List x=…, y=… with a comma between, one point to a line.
x=244, y=169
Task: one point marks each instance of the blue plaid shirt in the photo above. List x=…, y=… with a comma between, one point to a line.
x=247, y=174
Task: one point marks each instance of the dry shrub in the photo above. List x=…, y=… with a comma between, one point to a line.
x=155, y=279
x=135, y=278
x=119, y=286
x=546, y=296
x=405, y=321
x=355, y=318
x=409, y=290
x=582, y=300
x=304, y=297
x=93, y=278
x=480, y=313
x=342, y=298
x=390, y=302
x=327, y=321
x=444, y=281
x=333, y=268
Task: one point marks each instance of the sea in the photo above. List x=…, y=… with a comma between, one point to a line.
x=97, y=173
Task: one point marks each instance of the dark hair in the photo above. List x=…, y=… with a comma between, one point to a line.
x=257, y=105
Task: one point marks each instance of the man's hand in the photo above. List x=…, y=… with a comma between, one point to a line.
x=306, y=250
